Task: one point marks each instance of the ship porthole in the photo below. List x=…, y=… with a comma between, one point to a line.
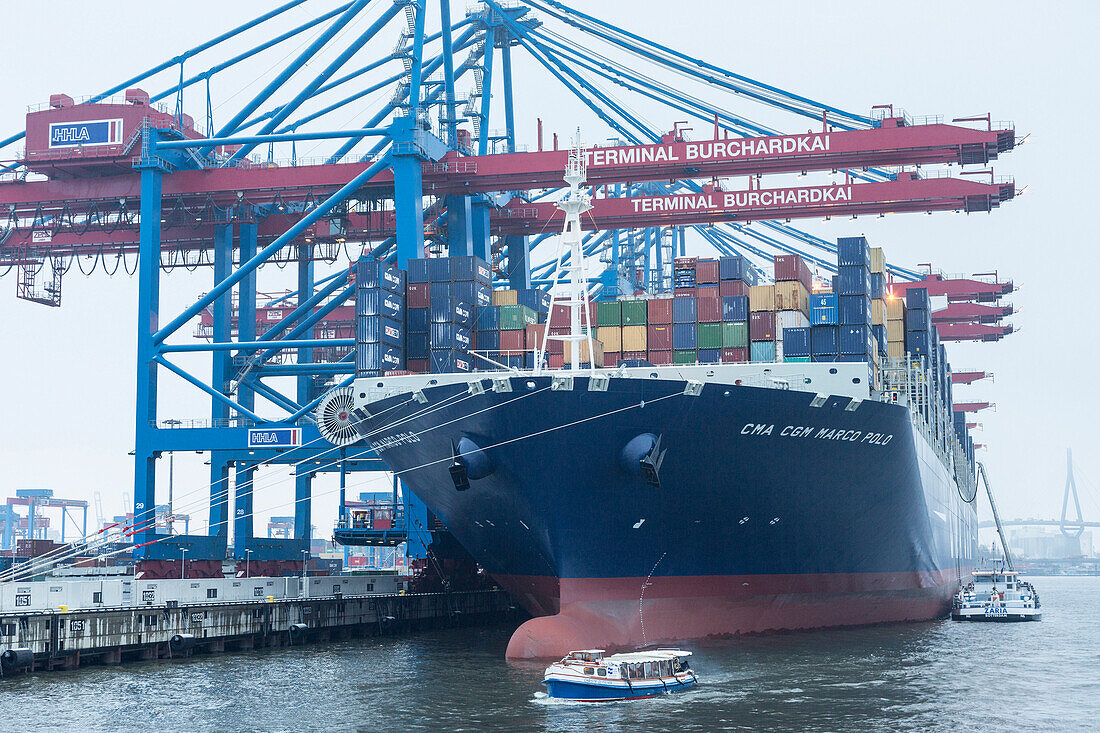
x=855, y=380
x=726, y=393
x=530, y=385
x=807, y=380
x=832, y=371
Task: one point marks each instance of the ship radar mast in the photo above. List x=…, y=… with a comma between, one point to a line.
x=571, y=264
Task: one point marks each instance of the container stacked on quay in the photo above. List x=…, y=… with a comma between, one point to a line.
x=769, y=465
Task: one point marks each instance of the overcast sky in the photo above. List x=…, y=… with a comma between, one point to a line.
x=68, y=405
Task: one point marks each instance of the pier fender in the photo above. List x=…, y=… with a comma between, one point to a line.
x=477, y=462
x=16, y=659
x=296, y=631
x=182, y=642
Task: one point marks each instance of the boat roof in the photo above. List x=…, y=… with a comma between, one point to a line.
x=655, y=655
x=995, y=572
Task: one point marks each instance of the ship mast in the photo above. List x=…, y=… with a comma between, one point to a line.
x=575, y=203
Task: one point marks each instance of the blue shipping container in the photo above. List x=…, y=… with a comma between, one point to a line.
x=796, y=342
x=735, y=308
x=762, y=351
x=488, y=340
x=855, y=340
x=487, y=318
x=379, y=302
x=855, y=310
x=684, y=335
x=823, y=309
x=452, y=310
x=445, y=361
x=418, y=321
x=441, y=290
x=853, y=280
x=880, y=337
x=825, y=340
x=709, y=356
x=418, y=271
x=371, y=359
x=917, y=320
x=370, y=273
x=450, y=336
x=917, y=299
x=854, y=357
x=853, y=251
x=469, y=268
x=878, y=285
x=379, y=329
x=439, y=269
x=477, y=294
x=535, y=299
x=918, y=343
x=418, y=345
x=684, y=311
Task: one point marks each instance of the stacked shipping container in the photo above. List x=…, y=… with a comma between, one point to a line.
x=380, y=318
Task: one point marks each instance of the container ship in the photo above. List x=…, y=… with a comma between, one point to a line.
x=740, y=458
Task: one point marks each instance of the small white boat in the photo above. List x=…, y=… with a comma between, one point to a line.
x=997, y=595
x=589, y=676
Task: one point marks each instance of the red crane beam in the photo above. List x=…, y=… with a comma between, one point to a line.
x=972, y=331
x=958, y=288
x=972, y=406
x=967, y=312
x=890, y=144
x=969, y=377
x=907, y=194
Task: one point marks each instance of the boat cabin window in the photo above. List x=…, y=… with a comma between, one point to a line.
x=588, y=670
x=601, y=672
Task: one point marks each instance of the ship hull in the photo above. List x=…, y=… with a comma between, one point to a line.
x=770, y=513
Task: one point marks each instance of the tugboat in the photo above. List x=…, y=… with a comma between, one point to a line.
x=997, y=595
x=589, y=676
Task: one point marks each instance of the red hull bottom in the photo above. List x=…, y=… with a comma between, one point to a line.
x=617, y=613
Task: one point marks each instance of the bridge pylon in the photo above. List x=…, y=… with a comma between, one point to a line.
x=1071, y=527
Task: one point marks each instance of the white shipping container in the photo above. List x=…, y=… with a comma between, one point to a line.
x=789, y=319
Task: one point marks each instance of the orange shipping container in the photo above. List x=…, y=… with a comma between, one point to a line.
x=895, y=349
x=596, y=346
x=635, y=338
x=895, y=309
x=878, y=260
x=535, y=333
x=611, y=336
x=791, y=296
x=895, y=331
x=878, y=312
x=762, y=298
x=505, y=297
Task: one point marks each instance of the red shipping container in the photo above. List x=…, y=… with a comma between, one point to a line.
x=512, y=340
x=733, y=287
x=789, y=268
x=708, y=310
x=659, y=310
x=556, y=346
x=660, y=357
x=420, y=366
x=683, y=293
x=708, y=291
x=730, y=356
x=762, y=326
x=634, y=356
x=659, y=337
x=611, y=358
x=560, y=316
x=418, y=295
x=687, y=263
x=535, y=332
x=555, y=361
x=706, y=271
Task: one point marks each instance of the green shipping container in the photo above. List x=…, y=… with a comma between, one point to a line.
x=684, y=357
x=735, y=335
x=609, y=313
x=634, y=312
x=516, y=317
x=709, y=336
x=796, y=359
